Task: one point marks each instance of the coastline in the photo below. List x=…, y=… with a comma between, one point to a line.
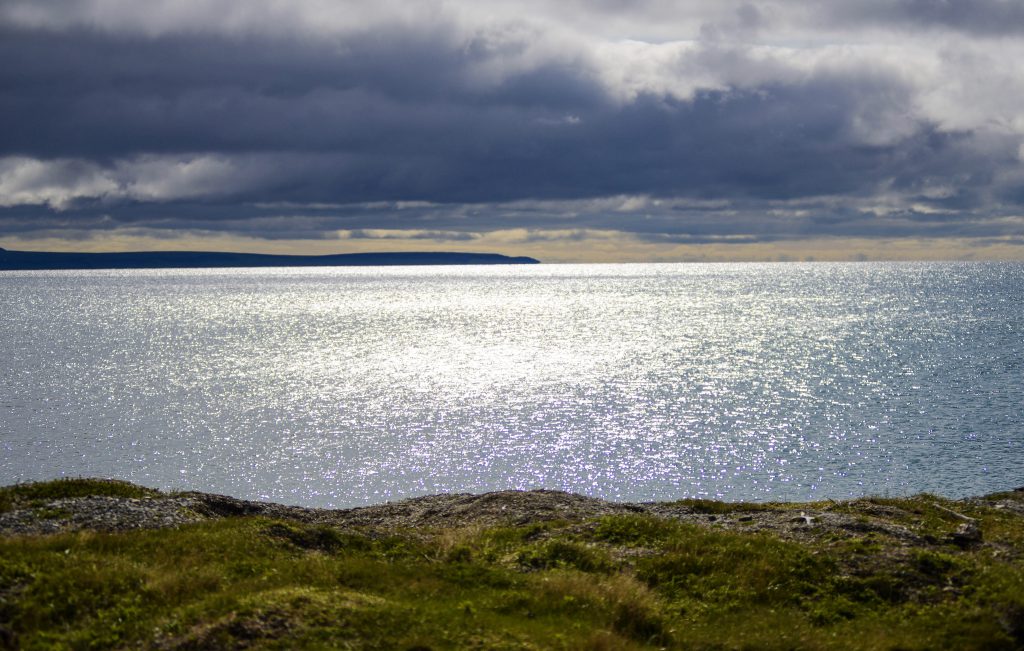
x=50, y=260
x=107, y=564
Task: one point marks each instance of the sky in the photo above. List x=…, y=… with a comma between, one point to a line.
x=572, y=131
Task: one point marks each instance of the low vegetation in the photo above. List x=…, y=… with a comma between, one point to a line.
x=639, y=580
x=40, y=493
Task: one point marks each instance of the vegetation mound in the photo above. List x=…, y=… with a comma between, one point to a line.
x=508, y=570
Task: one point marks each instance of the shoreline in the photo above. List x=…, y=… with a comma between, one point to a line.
x=66, y=261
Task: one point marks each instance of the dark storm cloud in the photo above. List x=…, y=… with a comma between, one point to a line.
x=500, y=127
x=349, y=129
x=83, y=93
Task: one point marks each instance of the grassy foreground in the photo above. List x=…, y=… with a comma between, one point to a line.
x=627, y=581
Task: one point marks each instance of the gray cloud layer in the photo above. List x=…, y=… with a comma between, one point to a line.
x=675, y=121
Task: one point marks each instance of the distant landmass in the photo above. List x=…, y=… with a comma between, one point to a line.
x=28, y=260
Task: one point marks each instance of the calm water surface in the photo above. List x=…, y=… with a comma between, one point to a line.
x=348, y=386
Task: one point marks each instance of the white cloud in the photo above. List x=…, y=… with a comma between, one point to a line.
x=162, y=178
x=60, y=183
x=26, y=181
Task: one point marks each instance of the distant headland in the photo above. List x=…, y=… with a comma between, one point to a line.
x=29, y=260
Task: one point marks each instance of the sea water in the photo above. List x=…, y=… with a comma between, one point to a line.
x=349, y=386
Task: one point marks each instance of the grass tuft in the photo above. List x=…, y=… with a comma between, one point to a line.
x=38, y=493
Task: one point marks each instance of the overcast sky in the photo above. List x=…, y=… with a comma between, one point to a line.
x=571, y=130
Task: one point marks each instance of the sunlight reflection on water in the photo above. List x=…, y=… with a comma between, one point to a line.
x=349, y=386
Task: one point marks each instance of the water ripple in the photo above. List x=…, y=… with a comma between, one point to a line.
x=339, y=387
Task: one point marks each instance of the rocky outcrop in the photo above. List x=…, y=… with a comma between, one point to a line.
x=899, y=521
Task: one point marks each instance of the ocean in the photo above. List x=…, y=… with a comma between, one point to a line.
x=341, y=387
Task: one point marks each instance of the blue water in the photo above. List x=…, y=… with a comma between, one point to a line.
x=348, y=386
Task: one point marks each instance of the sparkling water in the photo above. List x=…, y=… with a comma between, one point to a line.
x=348, y=386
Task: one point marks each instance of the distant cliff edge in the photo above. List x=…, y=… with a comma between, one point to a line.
x=27, y=260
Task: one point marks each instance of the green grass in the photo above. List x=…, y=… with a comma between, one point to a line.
x=38, y=493
x=622, y=582
x=713, y=507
